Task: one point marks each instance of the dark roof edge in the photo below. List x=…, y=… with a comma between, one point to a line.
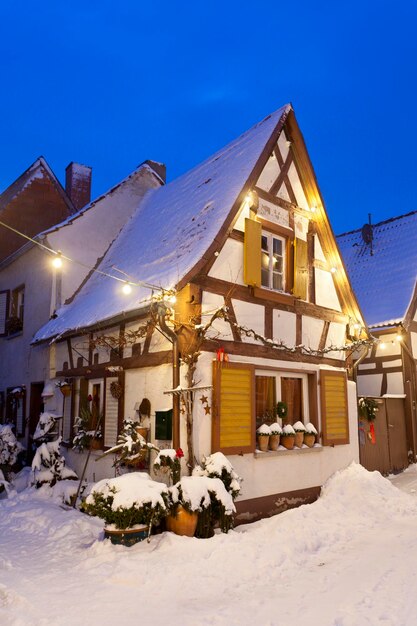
x=387, y=221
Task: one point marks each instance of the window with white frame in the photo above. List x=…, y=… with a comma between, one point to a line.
x=273, y=262
x=281, y=386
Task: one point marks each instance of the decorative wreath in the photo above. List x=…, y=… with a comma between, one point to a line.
x=116, y=390
x=282, y=409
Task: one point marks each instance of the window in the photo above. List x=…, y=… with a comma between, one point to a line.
x=273, y=262
x=289, y=387
x=14, y=322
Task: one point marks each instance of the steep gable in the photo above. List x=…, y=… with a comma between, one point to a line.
x=174, y=231
x=383, y=274
x=34, y=202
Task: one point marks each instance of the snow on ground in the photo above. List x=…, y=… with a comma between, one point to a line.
x=347, y=560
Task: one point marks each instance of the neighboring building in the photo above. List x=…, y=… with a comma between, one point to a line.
x=381, y=260
x=245, y=237
x=31, y=289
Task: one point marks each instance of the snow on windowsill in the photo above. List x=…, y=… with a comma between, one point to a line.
x=258, y=454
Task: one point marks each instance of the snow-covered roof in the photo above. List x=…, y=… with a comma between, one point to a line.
x=169, y=233
x=384, y=281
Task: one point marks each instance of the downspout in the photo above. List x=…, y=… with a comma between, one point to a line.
x=358, y=362
x=412, y=395
x=175, y=375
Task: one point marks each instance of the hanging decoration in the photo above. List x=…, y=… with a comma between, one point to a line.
x=368, y=408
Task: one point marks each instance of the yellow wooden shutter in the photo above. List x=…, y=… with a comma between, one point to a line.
x=234, y=408
x=334, y=408
x=300, y=269
x=252, y=253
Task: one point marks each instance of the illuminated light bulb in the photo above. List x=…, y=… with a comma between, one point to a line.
x=357, y=326
x=383, y=345
x=57, y=262
x=313, y=209
x=333, y=270
x=172, y=299
x=398, y=337
x=127, y=289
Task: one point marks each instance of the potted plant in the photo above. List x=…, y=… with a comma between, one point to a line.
x=169, y=461
x=299, y=429
x=87, y=436
x=288, y=437
x=130, y=505
x=310, y=435
x=274, y=437
x=188, y=498
x=263, y=434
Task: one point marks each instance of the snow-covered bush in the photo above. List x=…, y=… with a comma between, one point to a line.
x=86, y=432
x=206, y=496
x=48, y=465
x=311, y=429
x=128, y=500
x=275, y=429
x=263, y=430
x=288, y=430
x=299, y=427
x=45, y=427
x=9, y=449
x=216, y=465
x=170, y=459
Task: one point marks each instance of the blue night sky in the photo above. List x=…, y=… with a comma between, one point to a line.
x=111, y=84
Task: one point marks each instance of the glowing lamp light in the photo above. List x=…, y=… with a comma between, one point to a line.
x=57, y=262
x=172, y=299
x=127, y=289
x=333, y=270
x=383, y=345
x=398, y=337
x=313, y=209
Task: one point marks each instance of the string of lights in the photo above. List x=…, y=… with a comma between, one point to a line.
x=127, y=282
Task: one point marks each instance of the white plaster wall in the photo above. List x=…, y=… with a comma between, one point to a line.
x=395, y=383
x=318, y=250
x=250, y=315
x=229, y=264
x=367, y=366
x=269, y=174
x=210, y=302
x=369, y=384
x=297, y=188
x=300, y=226
x=388, y=346
x=325, y=290
x=283, y=193
x=273, y=213
x=282, y=145
x=311, y=330
x=284, y=327
x=336, y=337
x=244, y=213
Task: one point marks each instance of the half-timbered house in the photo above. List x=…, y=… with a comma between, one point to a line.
x=263, y=314
x=381, y=261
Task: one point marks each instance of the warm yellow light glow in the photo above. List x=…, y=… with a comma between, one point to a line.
x=333, y=270
x=399, y=337
x=313, y=209
x=127, y=289
x=57, y=262
x=382, y=345
x=357, y=326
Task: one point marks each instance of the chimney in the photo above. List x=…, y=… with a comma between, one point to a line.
x=159, y=168
x=78, y=184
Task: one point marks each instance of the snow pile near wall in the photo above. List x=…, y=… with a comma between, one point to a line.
x=346, y=560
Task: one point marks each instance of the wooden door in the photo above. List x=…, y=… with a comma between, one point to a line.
x=397, y=438
x=375, y=456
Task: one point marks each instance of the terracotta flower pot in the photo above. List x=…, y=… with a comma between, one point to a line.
x=288, y=441
x=127, y=537
x=299, y=439
x=309, y=439
x=184, y=523
x=274, y=442
x=263, y=441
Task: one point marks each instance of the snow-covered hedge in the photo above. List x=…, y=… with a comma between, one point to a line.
x=48, y=465
x=9, y=449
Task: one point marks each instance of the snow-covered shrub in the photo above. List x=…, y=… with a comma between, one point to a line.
x=206, y=496
x=131, y=448
x=299, y=427
x=45, y=427
x=9, y=449
x=170, y=459
x=263, y=430
x=275, y=429
x=216, y=465
x=311, y=429
x=86, y=432
x=128, y=500
x=48, y=465
x=288, y=430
